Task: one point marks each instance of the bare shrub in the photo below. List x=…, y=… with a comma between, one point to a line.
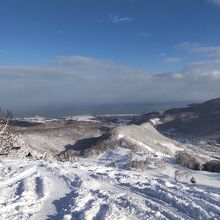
x=142, y=164
x=92, y=152
x=189, y=160
x=113, y=165
x=138, y=164
x=212, y=166
x=181, y=174
x=68, y=155
x=7, y=134
x=159, y=163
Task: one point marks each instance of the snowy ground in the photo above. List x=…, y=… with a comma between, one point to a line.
x=105, y=187
x=89, y=189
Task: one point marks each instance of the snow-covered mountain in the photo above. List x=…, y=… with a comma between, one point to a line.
x=197, y=121
x=103, y=167
x=131, y=137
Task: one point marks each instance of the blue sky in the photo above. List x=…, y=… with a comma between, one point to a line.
x=102, y=51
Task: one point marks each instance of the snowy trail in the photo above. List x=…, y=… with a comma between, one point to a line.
x=88, y=190
x=27, y=188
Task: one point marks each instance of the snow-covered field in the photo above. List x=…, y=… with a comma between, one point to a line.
x=90, y=189
x=135, y=177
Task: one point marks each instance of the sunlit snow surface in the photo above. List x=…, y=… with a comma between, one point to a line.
x=89, y=189
x=107, y=187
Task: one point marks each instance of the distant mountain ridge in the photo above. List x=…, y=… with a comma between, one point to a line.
x=196, y=120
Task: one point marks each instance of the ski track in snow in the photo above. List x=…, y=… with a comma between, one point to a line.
x=88, y=190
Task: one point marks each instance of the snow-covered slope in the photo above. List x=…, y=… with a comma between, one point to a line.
x=88, y=189
x=132, y=175
x=132, y=137
x=196, y=121
x=53, y=135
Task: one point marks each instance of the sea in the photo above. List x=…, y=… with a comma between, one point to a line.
x=98, y=109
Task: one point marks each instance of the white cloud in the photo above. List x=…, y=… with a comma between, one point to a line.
x=207, y=63
x=76, y=67
x=143, y=34
x=80, y=79
x=28, y=69
x=205, y=57
x=82, y=60
x=162, y=54
x=213, y=75
x=216, y=74
x=4, y=51
x=118, y=19
x=206, y=51
x=169, y=75
x=102, y=69
x=171, y=59
x=216, y=2
x=195, y=48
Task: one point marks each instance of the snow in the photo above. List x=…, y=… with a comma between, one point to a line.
x=107, y=187
x=40, y=119
x=37, y=118
x=148, y=137
x=27, y=187
x=155, y=121
x=89, y=189
x=120, y=136
x=141, y=144
x=172, y=147
x=84, y=118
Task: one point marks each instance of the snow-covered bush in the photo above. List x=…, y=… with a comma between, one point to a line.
x=189, y=160
x=149, y=161
x=7, y=134
x=92, y=152
x=140, y=164
x=68, y=155
x=137, y=164
x=212, y=166
x=159, y=163
x=113, y=165
x=181, y=174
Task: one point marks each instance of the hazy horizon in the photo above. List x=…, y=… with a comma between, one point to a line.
x=98, y=109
